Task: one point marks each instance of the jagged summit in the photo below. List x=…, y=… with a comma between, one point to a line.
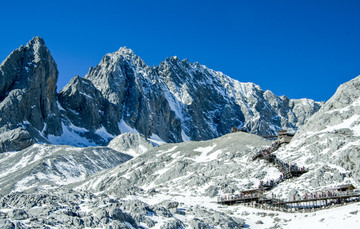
x=28, y=107
x=36, y=41
x=121, y=55
x=172, y=90
x=124, y=51
x=173, y=102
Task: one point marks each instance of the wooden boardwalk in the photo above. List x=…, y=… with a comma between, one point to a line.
x=262, y=201
x=256, y=198
x=288, y=170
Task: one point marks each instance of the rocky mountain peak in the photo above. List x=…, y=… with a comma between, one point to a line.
x=125, y=51
x=36, y=42
x=121, y=57
x=28, y=80
x=176, y=101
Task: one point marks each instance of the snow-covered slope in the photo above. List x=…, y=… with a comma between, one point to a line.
x=198, y=168
x=47, y=166
x=328, y=144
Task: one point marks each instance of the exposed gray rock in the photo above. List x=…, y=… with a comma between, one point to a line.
x=173, y=224
x=172, y=91
x=198, y=224
x=71, y=209
x=44, y=166
x=354, y=212
x=84, y=106
x=170, y=204
x=129, y=143
x=116, y=213
x=28, y=78
x=15, y=139
x=140, y=101
x=6, y=224
x=18, y=214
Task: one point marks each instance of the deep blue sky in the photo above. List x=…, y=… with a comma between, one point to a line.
x=301, y=49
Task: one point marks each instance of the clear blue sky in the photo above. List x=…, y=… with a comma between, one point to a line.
x=301, y=49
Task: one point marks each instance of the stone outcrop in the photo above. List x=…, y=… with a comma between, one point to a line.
x=127, y=82
x=84, y=105
x=70, y=209
x=129, y=143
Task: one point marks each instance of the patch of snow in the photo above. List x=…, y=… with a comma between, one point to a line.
x=23, y=184
x=86, y=95
x=204, y=153
x=156, y=140
x=104, y=134
x=70, y=136
x=184, y=137
x=125, y=128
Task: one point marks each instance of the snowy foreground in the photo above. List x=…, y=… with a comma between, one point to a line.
x=337, y=217
x=168, y=186
x=82, y=210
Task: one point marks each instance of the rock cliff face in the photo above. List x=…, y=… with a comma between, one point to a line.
x=178, y=101
x=173, y=102
x=134, y=89
x=28, y=110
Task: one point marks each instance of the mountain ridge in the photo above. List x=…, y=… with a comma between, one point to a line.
x=173, y=102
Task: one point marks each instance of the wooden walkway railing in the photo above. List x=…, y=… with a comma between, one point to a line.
x=288, y=171
x=262, y=201
x=312, y=201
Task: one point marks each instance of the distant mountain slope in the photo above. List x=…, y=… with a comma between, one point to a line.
x=46, y=166
x=173, y=102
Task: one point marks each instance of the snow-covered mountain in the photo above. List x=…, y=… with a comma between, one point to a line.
x=173, y=102
x=179, y=100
